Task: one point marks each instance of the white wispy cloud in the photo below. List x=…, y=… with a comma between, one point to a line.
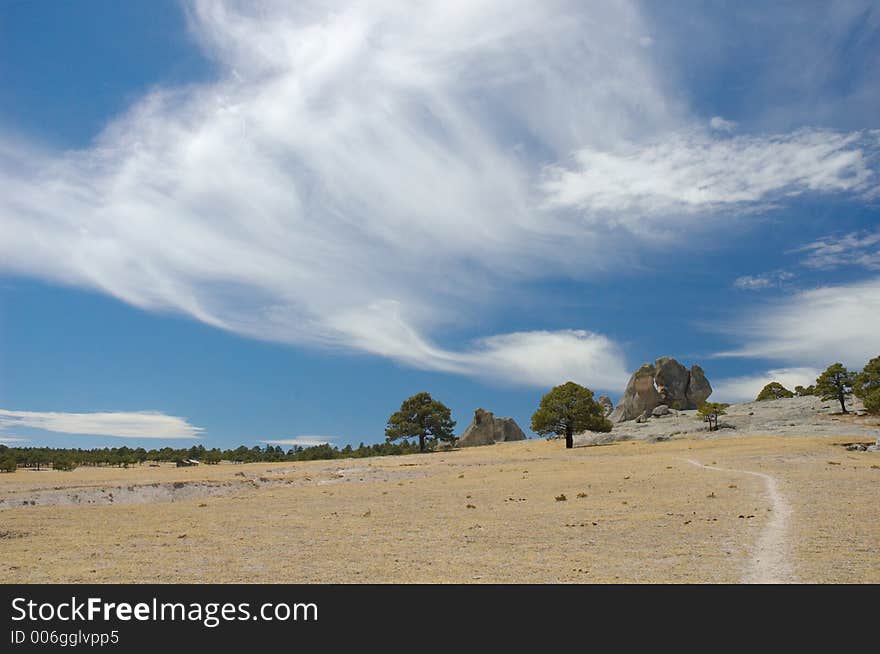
x=720, y=124
x=349, y=158
x=360, y=175
x=6, y=440
x=747, y=387
x=137, y=424
x=774, y=279
x=814, y=327
x=688, y=173
x=537, y=358
x=302, y=441
x=854, y=249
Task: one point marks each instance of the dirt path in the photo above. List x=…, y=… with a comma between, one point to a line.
x=769, y=563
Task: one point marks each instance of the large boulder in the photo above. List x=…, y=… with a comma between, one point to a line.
x=660, y=411
x=639, y=396
x=486, y=429
x=671, y=381
x=607, y=406
x=699, y=389
x=665, y=382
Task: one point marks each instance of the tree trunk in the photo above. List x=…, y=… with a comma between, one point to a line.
x=421, y=442
x=569, y=440
x=841, y=397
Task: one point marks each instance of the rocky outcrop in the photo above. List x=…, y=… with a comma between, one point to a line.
x=639, y=396
x=608, y=407
x=665, y=382
x=486, y=429
x=699, y=389
x=660, y=411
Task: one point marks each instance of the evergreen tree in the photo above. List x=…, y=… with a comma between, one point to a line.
x=422, y=417
x=568, y=409
x=866, y=386
x=835, y=384
x=710, y=412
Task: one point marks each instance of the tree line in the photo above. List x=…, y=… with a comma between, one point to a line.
x=37, y=458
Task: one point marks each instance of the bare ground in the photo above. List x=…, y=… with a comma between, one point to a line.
x=775, y=509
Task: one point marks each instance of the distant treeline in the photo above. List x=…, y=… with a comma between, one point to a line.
x=12, y=458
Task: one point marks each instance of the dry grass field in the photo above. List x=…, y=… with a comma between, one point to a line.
x=774, y=509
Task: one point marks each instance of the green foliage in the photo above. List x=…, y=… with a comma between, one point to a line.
x=710, y=411
x=871, y=400
x=63, y=462
x=7, y=463
x=568, y=409
x=802, y=391
x=773, y=391
x=868, y=380
x=422, y=417
x=835, y=384
x=69, y=458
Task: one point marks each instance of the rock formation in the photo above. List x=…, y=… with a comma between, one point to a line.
x=665, y=382
x=486, y=429
x=660, y=411
x=605, y=401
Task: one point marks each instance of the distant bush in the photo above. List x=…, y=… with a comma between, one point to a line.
x=802, y=391
x=64, y=463
x=8, y=463
x=773, y=391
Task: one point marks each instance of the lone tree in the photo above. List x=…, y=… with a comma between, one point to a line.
x=867, y=385
x=421, y=417
x=773, y=391
x=835, y=384
x=710, y=411
x=567, y=409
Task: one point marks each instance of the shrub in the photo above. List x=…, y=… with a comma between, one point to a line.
x=773, y=391
x=709, y=412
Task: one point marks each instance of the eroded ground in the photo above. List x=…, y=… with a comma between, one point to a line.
x=634, y=512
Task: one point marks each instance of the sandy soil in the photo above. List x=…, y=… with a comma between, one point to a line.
x=721, y=509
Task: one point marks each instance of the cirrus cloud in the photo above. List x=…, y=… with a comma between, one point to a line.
x=135, y=424
x=360, y=175
x=816, y=326
x=696, y=173
x=854, y=249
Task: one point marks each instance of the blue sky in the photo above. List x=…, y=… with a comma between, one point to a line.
x=246, y=222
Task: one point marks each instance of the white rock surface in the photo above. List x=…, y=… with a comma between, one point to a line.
x=796, y=416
